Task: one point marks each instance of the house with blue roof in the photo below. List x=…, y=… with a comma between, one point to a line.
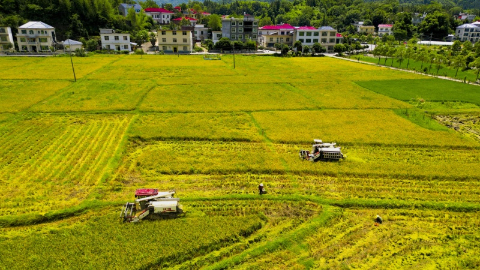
x=123, y=8
x=468, y=31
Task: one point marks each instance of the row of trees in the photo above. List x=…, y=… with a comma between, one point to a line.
x=457, y=56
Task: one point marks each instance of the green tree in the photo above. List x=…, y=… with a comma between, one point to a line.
x=456, y=47
x=391, y=53
x=379, y=51
x=91, y=45
x=436, y=24
x=467, y=47
x=440, y=61
x=265, y=21
x=250, y=45
x=153, y=38
x=214, y=22
x=285, y=49
x=317, y=48
x=400, y=55
x=476, y=64
x=298, y=46
x=306, y=49
x=339, y=48
x=458, y=62
x=148, y=4
x=223, y=44
x=141, y=37
x=208, y=43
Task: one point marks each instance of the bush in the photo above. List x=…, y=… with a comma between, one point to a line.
x=197, y=49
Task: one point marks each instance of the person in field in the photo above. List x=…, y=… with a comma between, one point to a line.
x=260, y=188
x=378, y=220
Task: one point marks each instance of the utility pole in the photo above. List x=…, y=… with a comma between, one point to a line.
x=71, y=60
x=233, y=45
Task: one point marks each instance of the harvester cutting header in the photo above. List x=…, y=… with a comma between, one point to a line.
x=322, y=151
x=152, y=204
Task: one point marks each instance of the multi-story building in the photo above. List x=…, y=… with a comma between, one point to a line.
x=192, y=21
x=160, y=15
x=123, y=8
x=384, y=29
x=241, y=29
x=115, y=41
x=465, y=16
x=216, y=36
x=367, y=29
x=6, y=39
x=200, y=32
x=469, y=31
x=268, y=35
x=35, y=37
x=175, y=41
x=309, y=35
x=417, y=18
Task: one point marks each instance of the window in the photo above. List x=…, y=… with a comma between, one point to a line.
x=174, y=40
x=302, y=40
x=324, y=34
x=24, y=31
x=108, y=47
x=233, y=23
x=174, y=33
x=164, y=39
x=288, y=39
x=185, y=48
x=3, y=38
x=309, y=34
x=5, y=47
x=254, y=36
x=2, y=30
x=164, y=33
x=282, y=33
x=271, y=39
x=184, y=40
x=201, y=32
x=31, y=32
x=316, y=34
x=234, y=37
x=301, y=34
x=254, y=23
x=219, y=35
x=281, y=40
x=240, y=30
x=164, y=48
x=23, y=39
x=44, y=48
x=125, y=38
x=240, y=36
x=42, y=39
x=254, y=30
x=184, y=33
x=240, y=23
x=332, y=40
x=107, y=38
x=309, y=40
x=117, y=38
x=332, y=34
x=234, y=30
x=195, y=32
x=324, y=40
x=24, y=48
x=125, y=47
x=315, y=40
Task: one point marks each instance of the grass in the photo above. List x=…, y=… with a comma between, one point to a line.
x=17, y=95
x=223, y=98
x=94, y=95
x=427, y=89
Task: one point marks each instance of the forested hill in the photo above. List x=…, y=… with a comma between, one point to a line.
x=464, y=4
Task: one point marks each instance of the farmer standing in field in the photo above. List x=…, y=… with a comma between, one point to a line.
x=378, y=220
x=260, y=188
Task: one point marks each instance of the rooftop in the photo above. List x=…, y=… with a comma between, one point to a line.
x=37, y=25
x=385, y=25
x=161, y=10
x=72, y=42
x=306, y=28
x=277, y=27
x=187, y=18
x=326, y=28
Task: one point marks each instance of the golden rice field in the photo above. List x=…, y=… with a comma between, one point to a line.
x=72, y=153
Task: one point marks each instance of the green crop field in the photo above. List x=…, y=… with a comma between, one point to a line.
x=72, y=153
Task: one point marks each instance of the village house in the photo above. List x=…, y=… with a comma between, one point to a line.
x=269, y=35
x=159, y=15
x=216, y=36
x=6, y=39
x=384, y=29
x=200, y=32
x=175, y=41
x=71, y=45
x=35, y=37
x=123, y=8
x=367, y=29
x=115, y=41
x=241, y=29
x=468, y=31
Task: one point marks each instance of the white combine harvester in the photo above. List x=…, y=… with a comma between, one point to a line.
x=322, y=151
x=152, y=205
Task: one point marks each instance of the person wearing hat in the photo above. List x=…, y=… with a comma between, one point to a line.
x=260, y=188
x=378, y=220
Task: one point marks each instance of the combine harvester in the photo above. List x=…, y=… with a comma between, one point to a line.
x=322, y=151
x=152, y=205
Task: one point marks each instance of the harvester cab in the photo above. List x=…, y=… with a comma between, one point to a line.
x=322, y=151
x=152, y=204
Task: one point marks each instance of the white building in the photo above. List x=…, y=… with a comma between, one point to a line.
x=35, y=37
x=200, y=32
x=115, y=41
x=160, y=15
x=216, y=36
x=175, y=41
x=71, y=45
x=6, y=39
x=469, y=31
x=384, y=29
